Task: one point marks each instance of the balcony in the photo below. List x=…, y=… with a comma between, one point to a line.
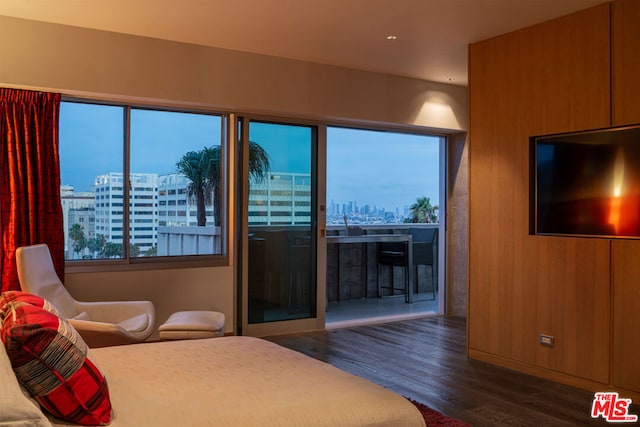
x=352, y=270
x=352, y=280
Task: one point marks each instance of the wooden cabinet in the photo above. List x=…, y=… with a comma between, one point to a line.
x=577, y=72
x=626, y=314
x=625, y=39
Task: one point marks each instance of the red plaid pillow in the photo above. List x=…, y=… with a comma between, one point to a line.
x=24, y=297
x=50, y=360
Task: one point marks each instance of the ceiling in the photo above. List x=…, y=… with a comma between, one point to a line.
x=431, y=44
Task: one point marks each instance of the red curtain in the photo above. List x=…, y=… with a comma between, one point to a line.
x=30, y=209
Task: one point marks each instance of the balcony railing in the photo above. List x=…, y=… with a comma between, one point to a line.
x=351, y=267
x=182, y=240
x=352, y=271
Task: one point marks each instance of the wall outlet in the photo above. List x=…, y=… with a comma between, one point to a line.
x=546, y=340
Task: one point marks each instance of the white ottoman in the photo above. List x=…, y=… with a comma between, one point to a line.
x=185, y=325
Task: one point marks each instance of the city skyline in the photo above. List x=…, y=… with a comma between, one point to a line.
x=333, y=207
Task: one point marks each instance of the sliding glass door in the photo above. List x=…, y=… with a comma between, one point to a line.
x=316, y=203
x=279, y=238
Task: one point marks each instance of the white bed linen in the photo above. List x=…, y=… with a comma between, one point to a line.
x=241, y=381
x=17, y=409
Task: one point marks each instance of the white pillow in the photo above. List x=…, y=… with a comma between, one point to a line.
x=16, y=409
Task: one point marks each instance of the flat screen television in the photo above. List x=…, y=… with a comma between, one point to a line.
x=586, y=183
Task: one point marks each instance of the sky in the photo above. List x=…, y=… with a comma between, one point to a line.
x=383, y=169
x=91, y=140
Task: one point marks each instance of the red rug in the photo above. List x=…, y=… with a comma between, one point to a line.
x=435, y=418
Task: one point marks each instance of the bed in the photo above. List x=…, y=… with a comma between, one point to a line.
x=226, y=381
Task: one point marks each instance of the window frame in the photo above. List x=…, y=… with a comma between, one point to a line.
x=126, y=263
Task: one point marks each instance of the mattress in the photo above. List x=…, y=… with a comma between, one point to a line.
x=240, y=381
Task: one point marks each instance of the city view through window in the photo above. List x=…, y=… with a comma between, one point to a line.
x=373, y=177
x=174, y=171
x=378, y=177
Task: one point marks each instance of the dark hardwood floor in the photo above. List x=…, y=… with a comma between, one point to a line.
x=425, y=360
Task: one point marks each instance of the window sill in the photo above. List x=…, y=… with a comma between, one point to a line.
x=158, y=263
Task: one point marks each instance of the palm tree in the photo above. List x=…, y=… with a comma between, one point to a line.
x=153, y=251
x=134, y=250
x=96, y=245
x=202, y=169
x=112, y=250
x=423, y=212
x=196, y=166
x=259, y=162
x=76, y=233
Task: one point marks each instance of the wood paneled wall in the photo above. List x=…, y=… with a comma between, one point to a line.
x=625, y=254
x=625, y=39
x=552, y=77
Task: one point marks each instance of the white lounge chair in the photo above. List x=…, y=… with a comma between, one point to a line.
x=99, y=323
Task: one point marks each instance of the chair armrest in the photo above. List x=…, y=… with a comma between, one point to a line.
x=116, y=311
x=91, y=326
x=100, y=334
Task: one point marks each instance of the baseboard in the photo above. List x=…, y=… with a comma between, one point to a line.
x=552, y=375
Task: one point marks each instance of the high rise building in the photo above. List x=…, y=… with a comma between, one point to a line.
x=85, y=218
x=164, y=201
x=280, y=199
x=83, y=201
x=143, y=216
x=175, y=207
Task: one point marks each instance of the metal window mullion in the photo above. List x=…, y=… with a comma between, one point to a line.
x=226, y=133
x=126, y=182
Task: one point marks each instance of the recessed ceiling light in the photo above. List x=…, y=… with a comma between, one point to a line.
x=392, y=37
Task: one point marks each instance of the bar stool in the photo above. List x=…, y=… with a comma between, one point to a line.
x=424, y=248
x=392, y=255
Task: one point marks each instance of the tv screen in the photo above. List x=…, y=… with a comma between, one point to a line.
x=587, y=183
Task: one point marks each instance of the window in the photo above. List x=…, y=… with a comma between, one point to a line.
x=173, y=157
x=376, y=177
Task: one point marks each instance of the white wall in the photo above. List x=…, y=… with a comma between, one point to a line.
x=104, y=65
